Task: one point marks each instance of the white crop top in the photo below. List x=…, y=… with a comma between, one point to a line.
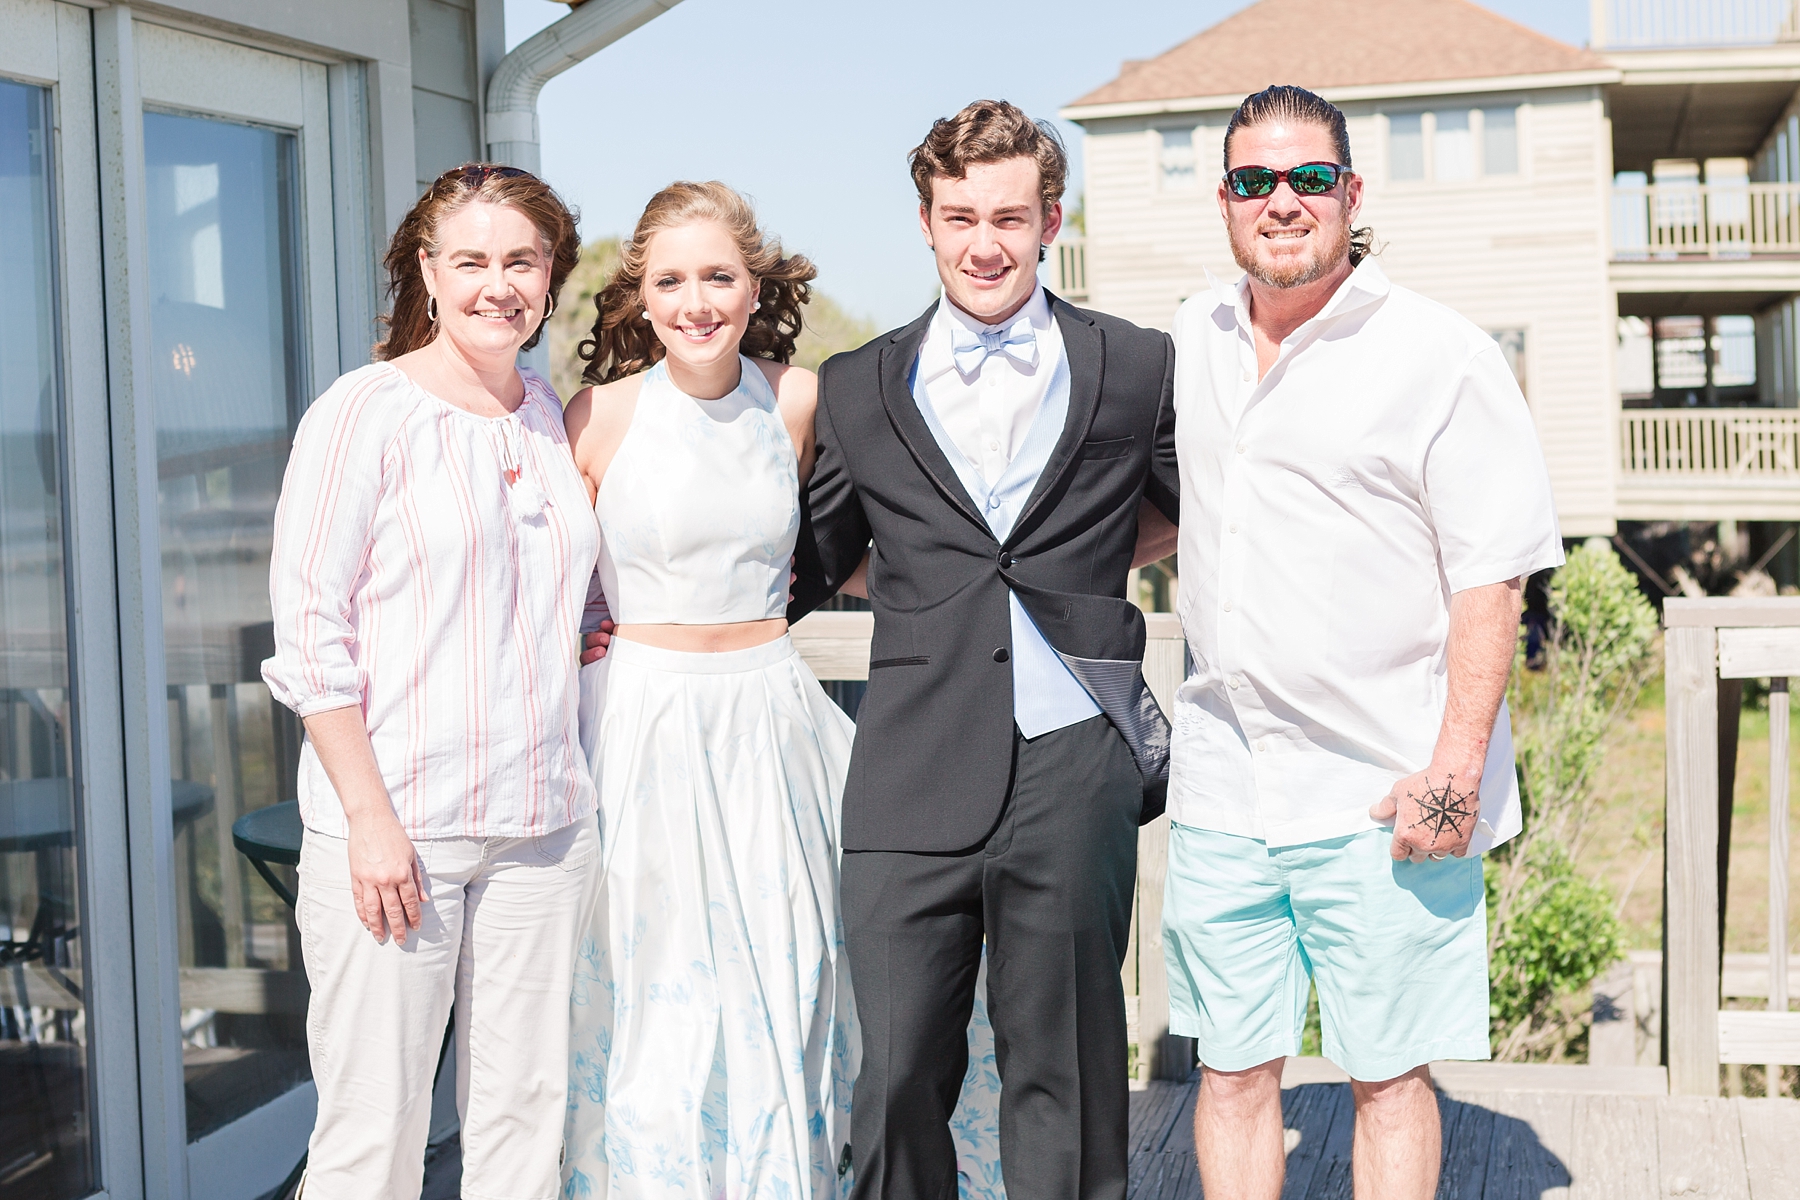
x=700, y=507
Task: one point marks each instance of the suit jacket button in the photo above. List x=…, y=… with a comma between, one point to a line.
x=1007, y=560
x=1001, y=655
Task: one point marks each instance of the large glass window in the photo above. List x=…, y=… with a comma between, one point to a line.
x=1453, y=146
x=1500, y=141
x=45, y=1139
x=1179, y=170
x=228, y=383
x=1406, y=146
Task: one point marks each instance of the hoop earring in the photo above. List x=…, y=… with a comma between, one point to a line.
x=549, y=307
x=431, y=309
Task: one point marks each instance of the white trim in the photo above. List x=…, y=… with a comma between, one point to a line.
x=355, y=214
x=1348, y=94
x=149, y=819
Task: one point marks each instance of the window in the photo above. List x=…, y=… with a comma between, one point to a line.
x=229, y=379
x=1512, y=349
x=1179, y=171
x=1500, y=141
x=46, y=1130
x=1453, y=147
x=1464, y=143
x=1406, y=146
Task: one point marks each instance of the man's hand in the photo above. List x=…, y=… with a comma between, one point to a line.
x=593, y=646
x=1434, y=813
x=1157, y=536
x=385, y=882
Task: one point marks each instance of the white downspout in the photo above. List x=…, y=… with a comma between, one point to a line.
x=512, y=93
x=512, y=124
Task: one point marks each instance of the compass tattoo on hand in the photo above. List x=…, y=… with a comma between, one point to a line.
x=1444, y=808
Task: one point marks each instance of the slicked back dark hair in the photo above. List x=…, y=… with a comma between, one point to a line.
x=1285, y=102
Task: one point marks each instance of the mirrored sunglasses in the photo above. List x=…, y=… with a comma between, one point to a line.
x=1307, y=179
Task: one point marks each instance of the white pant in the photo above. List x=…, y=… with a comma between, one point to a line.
x=498, y=934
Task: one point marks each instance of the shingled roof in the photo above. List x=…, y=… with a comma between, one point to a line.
x=1323, y=44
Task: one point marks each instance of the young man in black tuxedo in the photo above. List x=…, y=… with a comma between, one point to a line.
x=997, y=453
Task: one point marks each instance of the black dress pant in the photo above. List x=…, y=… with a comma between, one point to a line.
x=1050, y=889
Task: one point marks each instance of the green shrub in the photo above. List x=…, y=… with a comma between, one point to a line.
x=1551, y=930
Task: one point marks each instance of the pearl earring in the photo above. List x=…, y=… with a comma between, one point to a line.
x=646, y=314
x=756, y=306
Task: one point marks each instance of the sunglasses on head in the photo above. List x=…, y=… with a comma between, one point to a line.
x=1307, y=179
x=475, y=174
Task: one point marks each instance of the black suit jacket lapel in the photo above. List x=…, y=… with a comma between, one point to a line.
x=897, y=358
x=1084, y=349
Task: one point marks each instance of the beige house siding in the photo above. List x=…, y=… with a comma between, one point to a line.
x=1523, y=252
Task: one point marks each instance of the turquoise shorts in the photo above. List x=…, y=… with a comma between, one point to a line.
x=1398, y=951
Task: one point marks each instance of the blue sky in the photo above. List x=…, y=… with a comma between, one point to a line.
x=809, y=107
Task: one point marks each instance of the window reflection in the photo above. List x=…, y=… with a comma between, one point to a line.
x=228, y=383
x=45, y=1139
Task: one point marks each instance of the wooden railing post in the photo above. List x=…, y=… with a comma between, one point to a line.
x=1168, y=1057
x=1778, y=860
x=1691, y=881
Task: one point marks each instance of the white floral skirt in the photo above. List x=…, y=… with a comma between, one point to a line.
x=714, y=1042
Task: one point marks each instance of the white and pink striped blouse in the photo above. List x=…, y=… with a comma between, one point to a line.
x=431, y=566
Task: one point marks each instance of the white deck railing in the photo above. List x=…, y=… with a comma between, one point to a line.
x=1731, y=220
x=1710, y=444
x=1068, y=268
x=1709, y=647
x=836, y=646
x=1672, y=24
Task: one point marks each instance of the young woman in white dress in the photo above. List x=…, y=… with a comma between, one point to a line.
x=714, y=1041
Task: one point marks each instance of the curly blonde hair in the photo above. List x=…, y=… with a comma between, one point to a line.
x=622, y=343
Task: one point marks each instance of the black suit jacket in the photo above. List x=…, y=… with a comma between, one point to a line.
x=933, y=755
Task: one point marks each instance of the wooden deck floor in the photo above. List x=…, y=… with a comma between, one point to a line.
x=1509, y=1144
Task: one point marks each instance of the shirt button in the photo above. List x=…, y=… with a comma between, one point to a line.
x=1249, y=376
x=993, y=502
x=994, y=445
x=1228, y=606
x=1241, y=447
x=1233, y=681
x=1234, y=529
x=1001, y=655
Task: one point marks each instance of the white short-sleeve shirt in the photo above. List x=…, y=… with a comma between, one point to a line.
x=1329, y=511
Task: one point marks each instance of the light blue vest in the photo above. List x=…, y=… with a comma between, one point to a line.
x=1046, y=696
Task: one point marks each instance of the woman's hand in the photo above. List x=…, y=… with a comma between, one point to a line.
x=593, y=645
x=385, y=882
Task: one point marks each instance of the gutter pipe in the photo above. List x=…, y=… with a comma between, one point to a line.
x=512, y=122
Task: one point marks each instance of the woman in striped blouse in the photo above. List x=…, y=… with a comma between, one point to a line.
x=433, y=547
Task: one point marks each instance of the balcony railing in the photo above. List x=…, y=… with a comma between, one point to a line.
x=1733, y=220
x=1679, y=24
x=1757, y=446
x=1068, y=269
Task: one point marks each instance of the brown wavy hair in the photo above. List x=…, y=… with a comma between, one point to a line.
x=623, y=342
x=409, y=323
x=990, y=131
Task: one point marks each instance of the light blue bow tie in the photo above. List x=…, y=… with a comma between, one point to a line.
x=969, y=349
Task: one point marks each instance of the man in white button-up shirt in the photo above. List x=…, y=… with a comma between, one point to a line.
x=1362, y=492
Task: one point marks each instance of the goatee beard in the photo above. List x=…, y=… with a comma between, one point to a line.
x=1293, y=273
